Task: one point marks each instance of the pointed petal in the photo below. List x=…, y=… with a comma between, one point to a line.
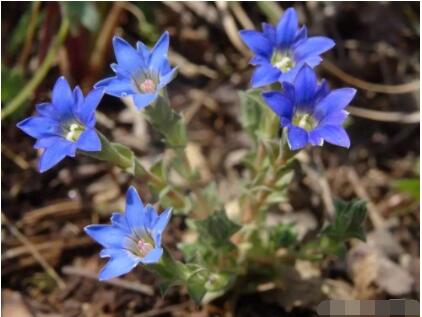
x=89, y=141
x=108, y=236
x=135, y=214
x=63, y=97
x=297, y=137
x=279, y=103
x=143, y=100
x=122, y=262
x=164, y=80
x=159, y=52
x=301, y=35
x=153, y=256
x=47, y=110
x=334, y=118
x=151, y=216
x=287, y=28
x=313, y=46
x=55, y=153
x=264, y=74
x=38, y=127
x=257, y=42
x=335, y=101
x=118, y=87
x=86, y=111
x=163, y=220
x=335, y=135
x=270, y=33
x=305, y=86
x=47, y=141
x=143, y=50
x=315, y=138
x=127, y=57
x=119, y=219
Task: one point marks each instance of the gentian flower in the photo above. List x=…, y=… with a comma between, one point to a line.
x=140, y=73
x=64, y=125
x=282, y=50
x=133, y=237
x=311, y=113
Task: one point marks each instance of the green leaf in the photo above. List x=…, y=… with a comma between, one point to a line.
x=256, y=117
x=410, y=186
x=217, y=228
x=349, y=220
x=283, y=236
x=167, y=122
x=82, y=13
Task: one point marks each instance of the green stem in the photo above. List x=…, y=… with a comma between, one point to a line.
x=124, y=158
x=41, y=72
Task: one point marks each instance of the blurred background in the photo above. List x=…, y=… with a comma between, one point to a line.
x=49, y=265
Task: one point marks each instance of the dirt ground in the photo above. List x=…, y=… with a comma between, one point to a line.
x=377, y=51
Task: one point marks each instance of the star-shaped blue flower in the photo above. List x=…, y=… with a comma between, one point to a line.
x=133, y=237
x=311, y=113
x=64, y=125
x=140, y=73
x=282, y=50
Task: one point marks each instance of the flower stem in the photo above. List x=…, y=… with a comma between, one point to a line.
x=123, y=157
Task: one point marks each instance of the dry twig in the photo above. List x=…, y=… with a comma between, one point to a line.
x=133, y=286
x=37, y=256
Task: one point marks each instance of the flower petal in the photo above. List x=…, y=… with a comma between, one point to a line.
x=127, y=57
x=278, y=103
x=287, y=28
x=55, y=153
x=86, y=111
x=122, y=262
x=135, y=214
x=270, y=33
x=118, y=87
x=257, y=42
x=143, y=100
x=315, y=138
x=335, y=101
x=159, y=51
x=297, y=137
x=264, y=74
x=119, y=219
x=89, y=141
x=305, y=87
x=335, y=135
x=63, y=98
x=334, y=118
x=47, y=141
x=163, y=220
x=313, y=46
x=39, y=127
x=108, y=236
x=151, y=216
x=47, y=110
x=164, y=80
x=153, y=256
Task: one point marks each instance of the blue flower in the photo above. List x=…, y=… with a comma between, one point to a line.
x=282, y=50
x=64, y=125
x=133, y=237
x=140, y=73
x=311, y=113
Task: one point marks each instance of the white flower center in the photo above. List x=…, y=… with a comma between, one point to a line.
x=283, y=61
x=144, y=247
x=73, y=132
x=305, y=121
x=147, y=85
